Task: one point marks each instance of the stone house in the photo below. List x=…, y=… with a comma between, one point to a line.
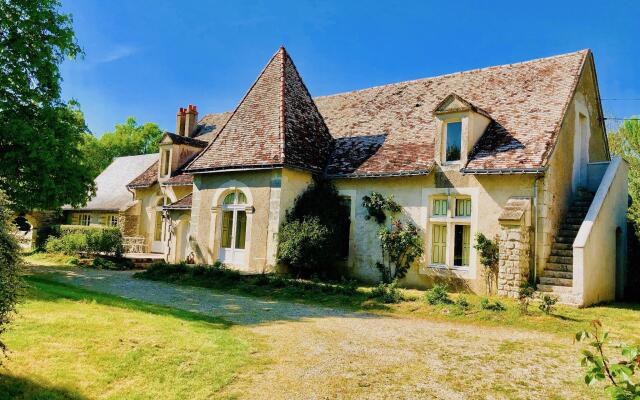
x=517, y=152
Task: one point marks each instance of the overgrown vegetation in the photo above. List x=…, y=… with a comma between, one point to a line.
x=620, y=376
x=525, y=296
x=496, y=305
x=86, y=240
x=10, y=264
x=438, y=294
x=217, y=276
x=547, y=303
x=314, y=231
x=400, y=243
x=489, y=258
x=388, y=293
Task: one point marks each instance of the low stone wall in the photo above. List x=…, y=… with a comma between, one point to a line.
x=514, y=246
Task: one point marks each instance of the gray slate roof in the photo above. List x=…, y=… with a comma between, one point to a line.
x=111, y=190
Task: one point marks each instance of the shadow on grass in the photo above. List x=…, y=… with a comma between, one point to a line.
x=42, y=289
x=19, y=388
x=565, y=318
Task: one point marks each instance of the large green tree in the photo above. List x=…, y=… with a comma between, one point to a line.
x=41, y=165
x=625, y=142
x=128, y=139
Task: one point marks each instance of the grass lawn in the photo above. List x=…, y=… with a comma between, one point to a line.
x=69, y=343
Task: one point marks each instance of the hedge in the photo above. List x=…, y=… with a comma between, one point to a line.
x=79, y=239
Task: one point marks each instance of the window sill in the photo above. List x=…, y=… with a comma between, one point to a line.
x=442, y=268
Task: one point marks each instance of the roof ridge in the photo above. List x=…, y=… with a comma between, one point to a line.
x=234, y=110
x=281, y=117
x=470, y=71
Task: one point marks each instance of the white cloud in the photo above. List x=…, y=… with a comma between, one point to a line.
x=117, y=53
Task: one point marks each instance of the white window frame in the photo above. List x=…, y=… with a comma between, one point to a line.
x=82, y=216
x=165, y=162
x=445, y=134
x=112, y=220
x=450, y=220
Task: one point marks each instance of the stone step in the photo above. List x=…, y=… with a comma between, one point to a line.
x=557, y=274
x=562, y=246
x=573, y=220
x=561, y=260
x=570, y=227
x=582, y=209
x=565, y=239
x=553, y=281
x=567, y=233
x=561, y=253
x=559, y=267
x=554, y=289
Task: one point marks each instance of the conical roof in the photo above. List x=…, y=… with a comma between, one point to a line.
x=276, y=124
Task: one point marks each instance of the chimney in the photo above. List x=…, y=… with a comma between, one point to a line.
x=180, y=121
x=191, y=120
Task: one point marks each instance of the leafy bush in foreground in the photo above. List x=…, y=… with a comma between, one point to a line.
x=305, y=247
x=388, y=293
x=485, y=304
x=620, y=375
x=76, y=240
x=437, y=295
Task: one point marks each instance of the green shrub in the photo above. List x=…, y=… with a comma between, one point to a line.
x=304, y=247
x=548, y=304
x=388, y=293
x=71, y=244
x=485, y=304
x=437, y=295
x=525, y=295
x=77, y=239
x=10, y=263
x=462, y=303
x=43, y=234
x=116, y=264
x=321, y=215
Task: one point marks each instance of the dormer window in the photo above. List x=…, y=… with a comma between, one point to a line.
x=165, y=162
x=459, y=125
x=454, y=141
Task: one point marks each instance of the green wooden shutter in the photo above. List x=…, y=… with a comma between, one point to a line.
x=466, y=238
x=438, y=244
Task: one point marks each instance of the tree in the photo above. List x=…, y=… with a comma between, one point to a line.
x=626, y=144
x=41, y=165
x=128, y=139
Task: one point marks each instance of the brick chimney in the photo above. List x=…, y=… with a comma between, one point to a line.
x=191, y=120
x=180, y=121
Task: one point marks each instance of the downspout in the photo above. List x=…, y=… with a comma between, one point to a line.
x=535, y=229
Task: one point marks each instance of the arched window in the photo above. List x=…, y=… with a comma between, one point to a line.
x=234, y=228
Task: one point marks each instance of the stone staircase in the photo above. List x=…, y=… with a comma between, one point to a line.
x=557, y=278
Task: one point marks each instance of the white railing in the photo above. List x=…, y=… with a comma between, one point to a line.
x=600, y=246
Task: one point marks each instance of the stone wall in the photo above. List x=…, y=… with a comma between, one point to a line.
x=514, y=245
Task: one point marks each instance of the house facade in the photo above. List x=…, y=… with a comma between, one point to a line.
x=516, y=152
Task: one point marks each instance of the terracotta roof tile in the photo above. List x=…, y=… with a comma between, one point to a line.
x=181, y=204
x=275, y=124
x=527, y=101
x=147, y=178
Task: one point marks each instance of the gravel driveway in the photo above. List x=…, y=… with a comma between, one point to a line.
x=322, y=353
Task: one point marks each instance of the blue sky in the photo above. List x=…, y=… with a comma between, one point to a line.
x=147, y=58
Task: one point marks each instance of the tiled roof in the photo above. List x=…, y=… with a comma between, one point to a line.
x=181, y=204
x=111, y=193
x=179, y=177
x=275, y=124
x=527, y=101
x=178, y=139
x=209, y=126
x=147, y=178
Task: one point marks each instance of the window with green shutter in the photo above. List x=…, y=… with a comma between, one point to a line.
x=439, y=207
x=463, y=207
x=438, y=244
x=461, y=242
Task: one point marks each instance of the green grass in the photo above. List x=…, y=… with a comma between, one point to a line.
x=69, y=343
x=50, y=259
x=620, y=319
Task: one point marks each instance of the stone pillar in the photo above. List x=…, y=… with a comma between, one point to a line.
x=514, y=246
x=514, y=258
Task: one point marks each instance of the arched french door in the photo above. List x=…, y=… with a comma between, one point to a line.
x=233, y=229
x=157, y=245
